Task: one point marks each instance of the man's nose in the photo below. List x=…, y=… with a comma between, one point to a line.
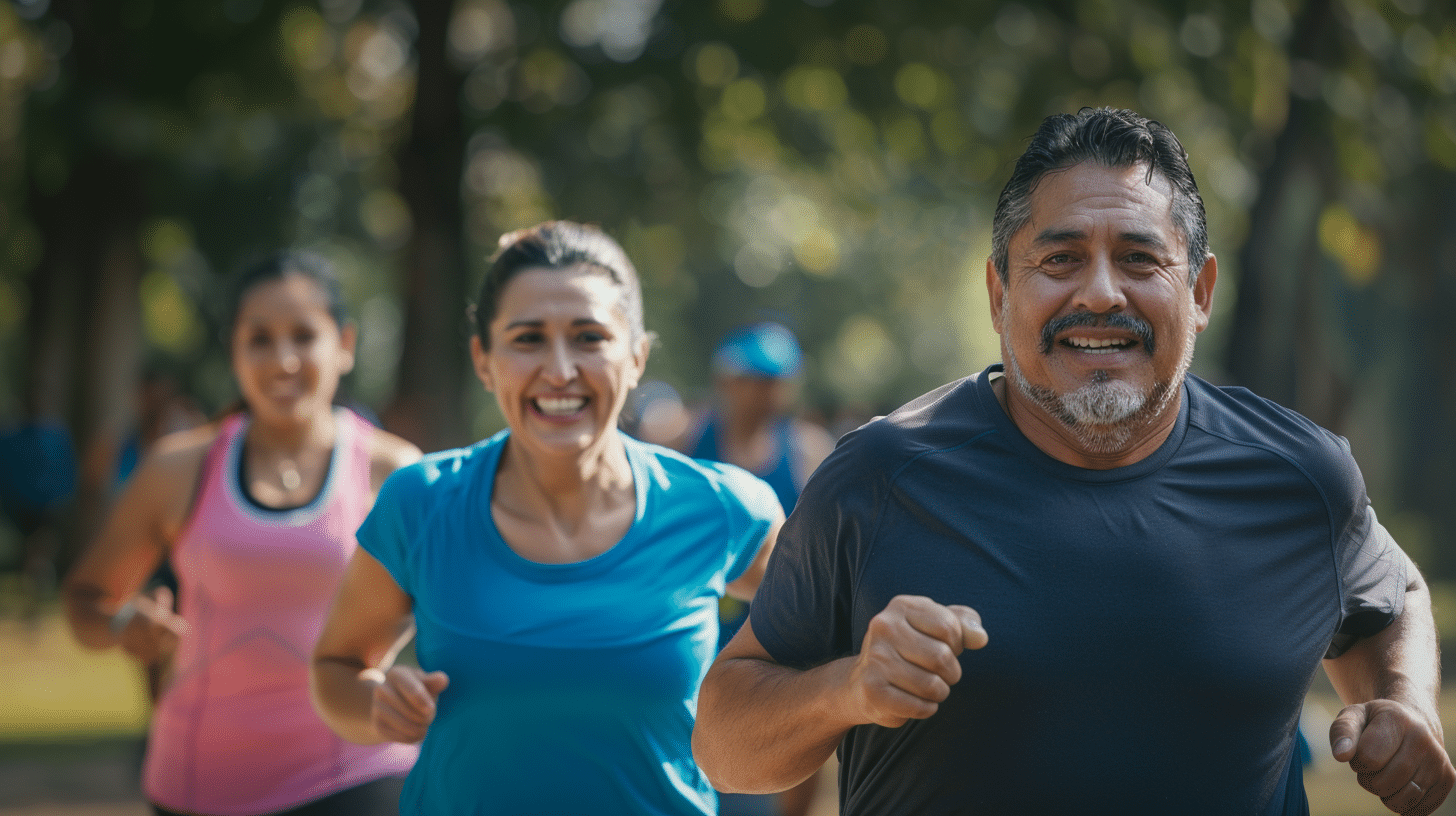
x=1100, y=289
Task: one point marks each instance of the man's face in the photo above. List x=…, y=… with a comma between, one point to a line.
x=1097, y=318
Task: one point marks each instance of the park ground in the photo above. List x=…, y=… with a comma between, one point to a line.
x=71, y=723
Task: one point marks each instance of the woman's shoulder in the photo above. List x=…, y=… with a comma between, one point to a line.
x=683, y=474
x=166, y=480
x=181, y=452
x=388, y=453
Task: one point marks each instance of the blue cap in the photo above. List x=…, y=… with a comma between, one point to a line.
x=761, y=350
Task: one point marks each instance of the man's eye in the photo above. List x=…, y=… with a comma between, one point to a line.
x=1060, y=259
x=591, y=337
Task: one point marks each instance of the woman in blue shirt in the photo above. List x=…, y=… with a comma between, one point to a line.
x=564, y=577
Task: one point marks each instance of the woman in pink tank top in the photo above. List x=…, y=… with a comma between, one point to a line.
x=256, y=514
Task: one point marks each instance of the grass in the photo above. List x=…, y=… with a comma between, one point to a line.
x=57, y=691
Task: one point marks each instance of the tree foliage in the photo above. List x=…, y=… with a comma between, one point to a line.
x=832, y=163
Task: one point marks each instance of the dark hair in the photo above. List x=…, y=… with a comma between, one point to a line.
x=277, y=267
x=557, y=245
x=1115, y=138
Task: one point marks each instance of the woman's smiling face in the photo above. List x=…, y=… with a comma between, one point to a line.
x=561, y=359
x=287, y=352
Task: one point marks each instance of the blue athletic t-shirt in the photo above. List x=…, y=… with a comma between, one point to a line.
x=573, y=687
x=1153, y=628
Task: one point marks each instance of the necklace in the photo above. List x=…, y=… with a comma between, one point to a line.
x=288, y=475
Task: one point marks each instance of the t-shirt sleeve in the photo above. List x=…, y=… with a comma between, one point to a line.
x=802, y=613
x=1373, y=580
x=388, y=530
x=1372, y=567
x=754, y=509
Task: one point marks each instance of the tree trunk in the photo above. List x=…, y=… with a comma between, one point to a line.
x=1265, y=345
x=428, y=405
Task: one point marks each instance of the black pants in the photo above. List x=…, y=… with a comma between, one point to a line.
x=377, y=798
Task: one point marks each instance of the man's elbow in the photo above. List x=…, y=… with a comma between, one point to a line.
x=711, y=743
x=716, y=764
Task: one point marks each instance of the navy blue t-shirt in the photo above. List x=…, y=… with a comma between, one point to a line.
x=1153, y=628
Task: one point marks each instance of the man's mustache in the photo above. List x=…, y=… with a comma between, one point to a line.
x=1112, y=320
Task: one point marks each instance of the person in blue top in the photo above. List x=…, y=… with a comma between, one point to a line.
x=563, y=577
x=1161, y=564
x=751, y=425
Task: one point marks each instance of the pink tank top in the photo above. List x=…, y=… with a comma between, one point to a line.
x=235, y=733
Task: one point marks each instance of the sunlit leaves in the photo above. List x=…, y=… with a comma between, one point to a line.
x=814, y=88
x=620, y=28
x=479, y=29
x=863, y=357
x=170, y=316
x=713, y=64
x=1355, y=246
x=547, y=78
x=922, y=86
x=503, y=189
x=386, y=218
x=308, y=42
x=740, y=11
x=743, y=100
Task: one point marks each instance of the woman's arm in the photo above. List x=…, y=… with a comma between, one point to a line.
x=388, y=453
x=747, y=584
x=356, y=688
x=100, y=592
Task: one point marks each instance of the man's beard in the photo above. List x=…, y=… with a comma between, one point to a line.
x=1106, y=413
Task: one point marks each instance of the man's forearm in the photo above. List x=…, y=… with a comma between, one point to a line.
x=763, y=727
x=1400, y=662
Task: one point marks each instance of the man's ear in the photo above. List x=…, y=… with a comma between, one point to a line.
x=1203, y=292
x=997, y=292
x=480, y=361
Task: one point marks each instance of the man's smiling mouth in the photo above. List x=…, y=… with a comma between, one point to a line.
x=1094, y=346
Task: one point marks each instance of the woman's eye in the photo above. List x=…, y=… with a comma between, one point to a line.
x=527, y=338
x=591, y=337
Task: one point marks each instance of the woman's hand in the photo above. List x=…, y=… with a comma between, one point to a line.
x=149, y=628
x=403, y=701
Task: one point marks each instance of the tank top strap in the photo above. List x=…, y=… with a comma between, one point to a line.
x=353, y=439
x=214, y=473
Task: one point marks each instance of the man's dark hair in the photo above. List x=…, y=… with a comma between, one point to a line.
x=1114, y=138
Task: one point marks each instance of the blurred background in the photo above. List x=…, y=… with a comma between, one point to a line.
x=831, y=164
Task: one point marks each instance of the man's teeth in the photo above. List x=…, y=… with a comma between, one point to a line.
x=559, y=406
x=1098, y=346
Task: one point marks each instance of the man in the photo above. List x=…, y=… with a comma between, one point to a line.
x=1161, y=564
